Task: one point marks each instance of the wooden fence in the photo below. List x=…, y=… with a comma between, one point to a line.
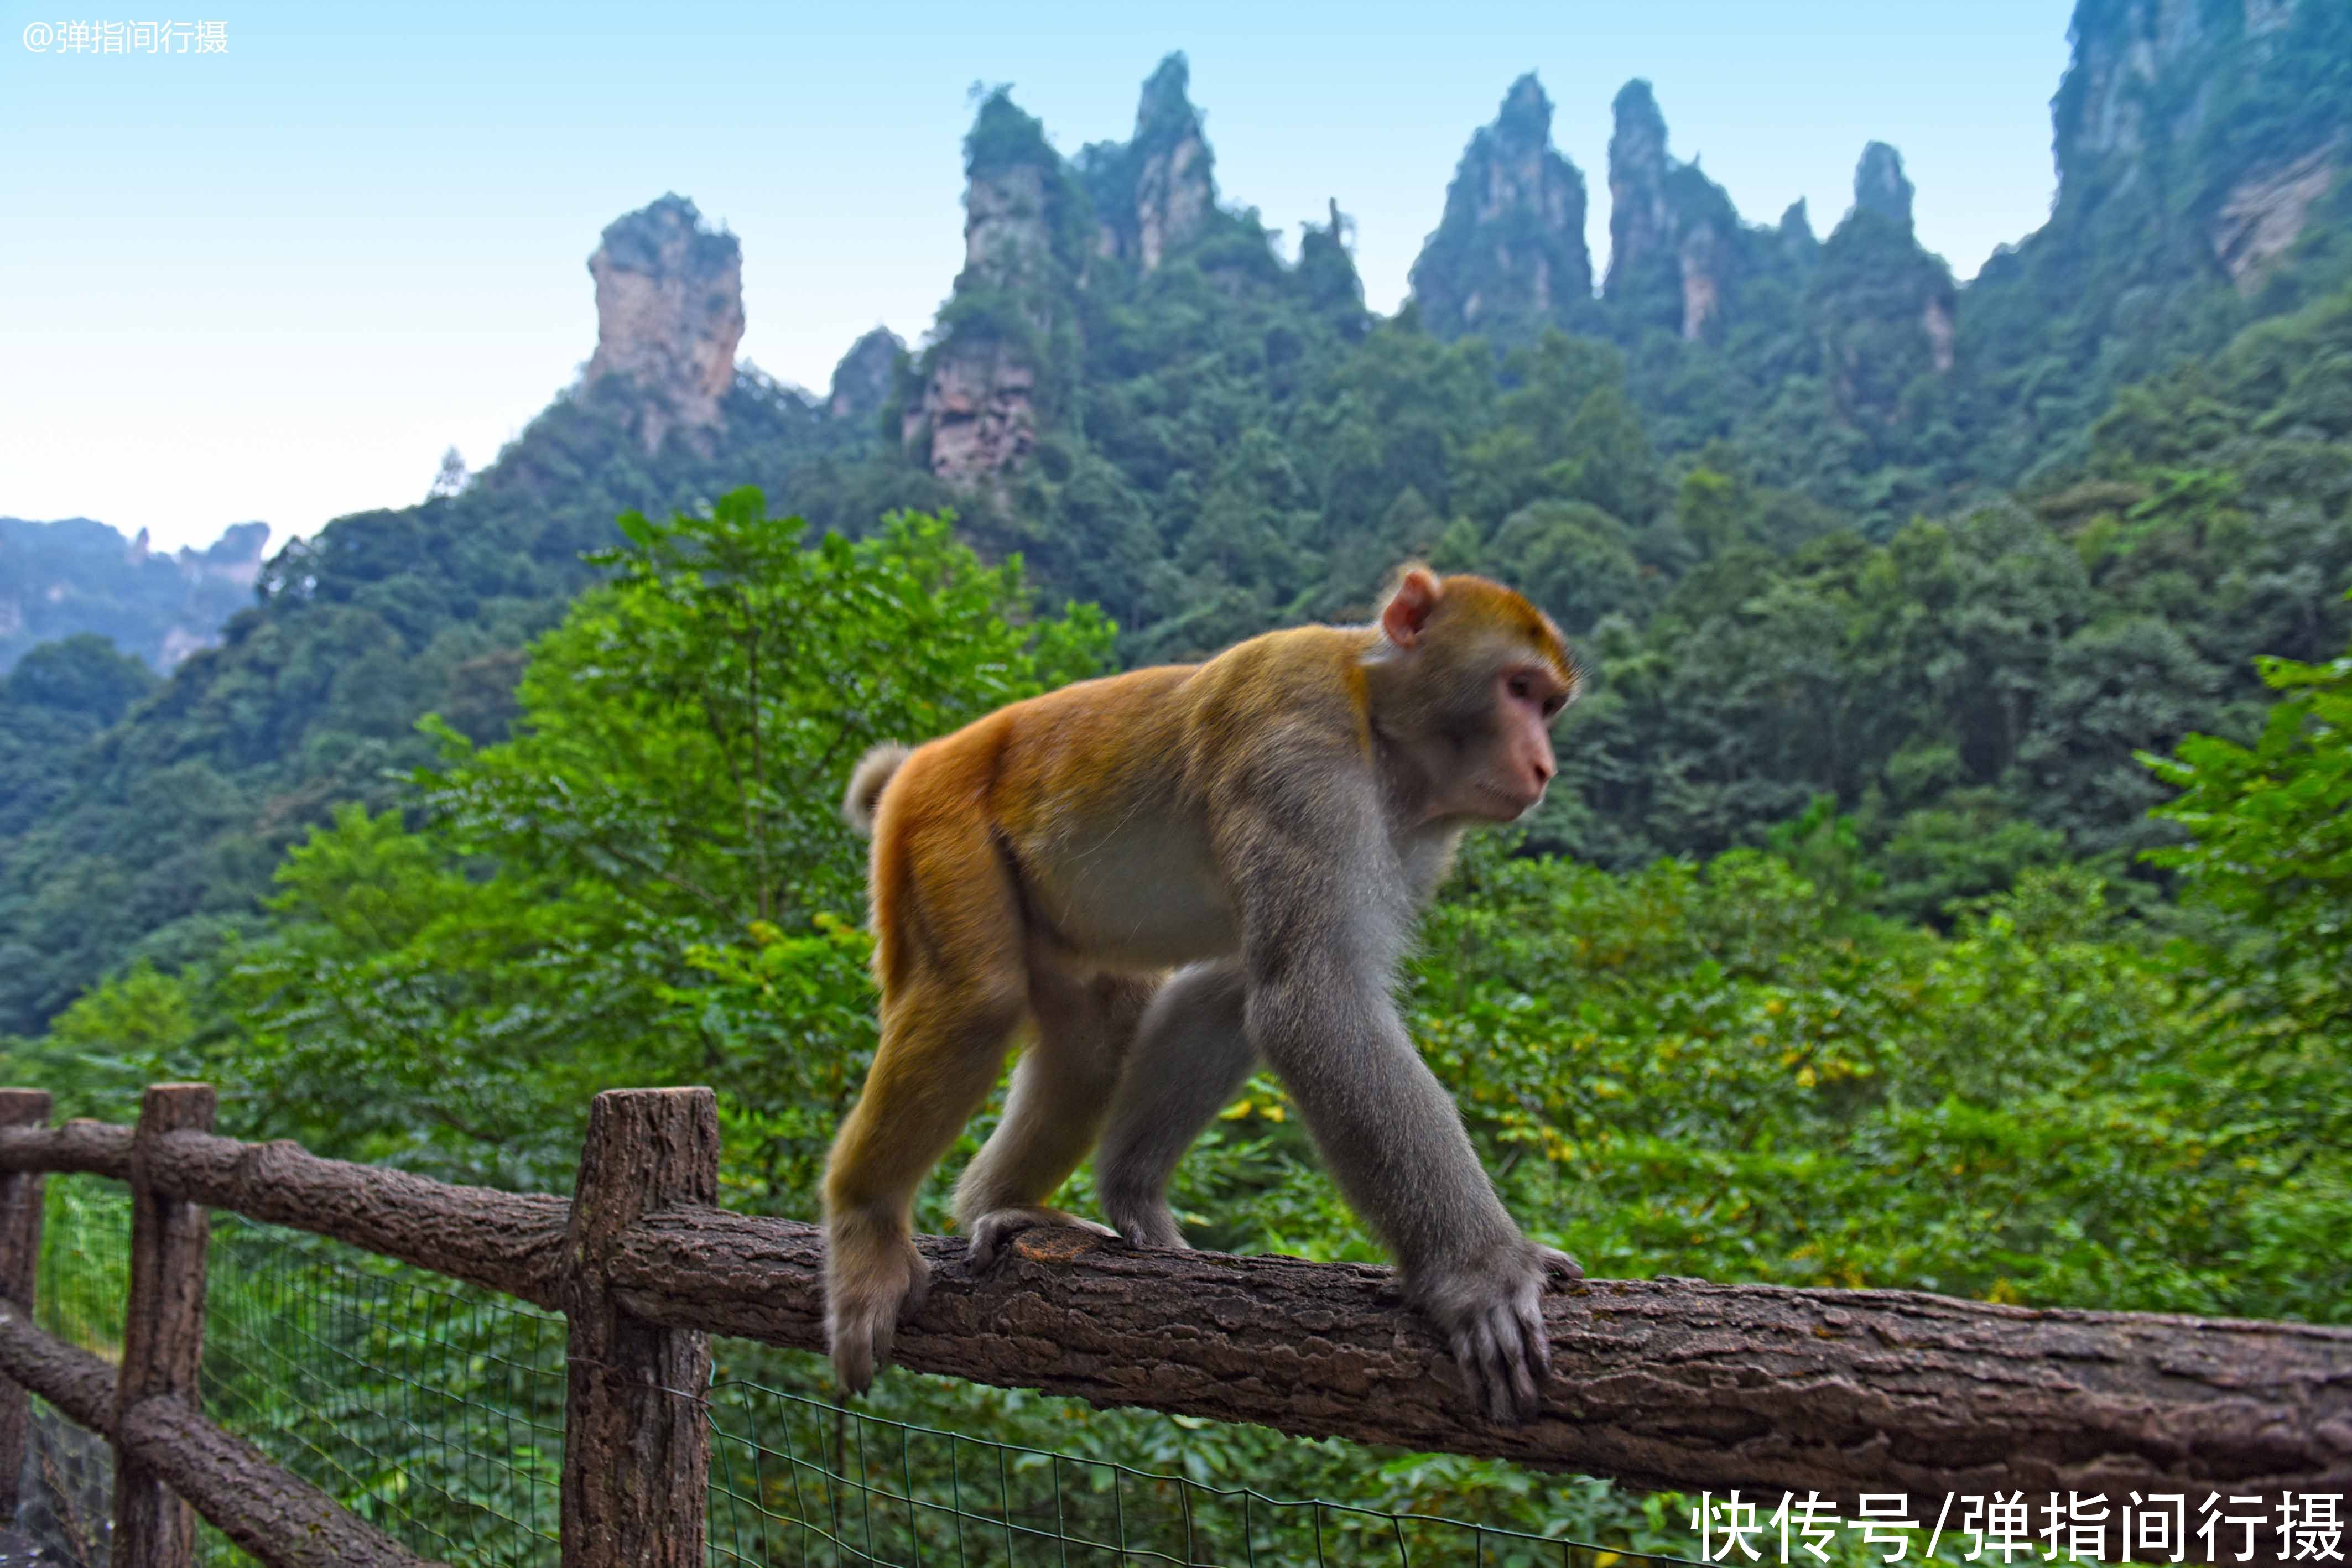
x=1668, y=1383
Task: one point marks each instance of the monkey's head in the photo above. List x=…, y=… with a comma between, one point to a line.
x=1465, y=682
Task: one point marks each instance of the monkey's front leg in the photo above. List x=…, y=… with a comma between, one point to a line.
x=1324, y=911
x=1397, y=1148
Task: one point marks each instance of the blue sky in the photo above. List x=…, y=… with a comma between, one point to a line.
x=277, y=282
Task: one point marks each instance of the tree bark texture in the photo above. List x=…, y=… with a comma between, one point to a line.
x=284, y=1521
x=163, y=1331
x=96, y=1148
x=20, y=1262
x=1664, y=1384
x=637, y=1444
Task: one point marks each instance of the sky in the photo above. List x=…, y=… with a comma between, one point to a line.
x=277, y=280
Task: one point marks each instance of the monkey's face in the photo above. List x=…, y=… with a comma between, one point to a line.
x=1511, y=762
x=1484, y=718
x=1480, y=675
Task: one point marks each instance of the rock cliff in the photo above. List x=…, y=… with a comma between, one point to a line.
x=2213, y=127
x=1677, y=251
x=669, y=312
x=978, y=414
x=1005, y=348
x=2264, y=211
x=1509, y=257
x=2197, y=142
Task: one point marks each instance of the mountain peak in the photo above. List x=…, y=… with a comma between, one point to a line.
x=669, y=312
x=1509, y=257
x=1166, y=108
x=1880, y=186
x=1526, y=117
x=861, y=382
x=1637, y=103
x=1676, y=243
x=1155, y=194
x=1024, y=239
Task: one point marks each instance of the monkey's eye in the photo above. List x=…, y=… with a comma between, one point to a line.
x=1520, y=688
x=1552, y=706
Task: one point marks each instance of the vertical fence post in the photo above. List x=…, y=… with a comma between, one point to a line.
x=636, y=1443
x=162, y=1330
x=20, y=1263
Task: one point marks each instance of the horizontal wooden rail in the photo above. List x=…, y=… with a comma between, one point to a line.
x=509, y=1241
x=279, y=1518
x=95, y=1148
x=1668, y=1383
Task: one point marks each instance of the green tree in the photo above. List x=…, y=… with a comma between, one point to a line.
x=2270, y=854
x=2270, y=827
x=649, y=880
x=140, y=1027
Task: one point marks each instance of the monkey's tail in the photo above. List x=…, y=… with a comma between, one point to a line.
x=867, y=780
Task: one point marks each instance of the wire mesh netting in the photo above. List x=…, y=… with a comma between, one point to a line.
x=436, y=1411
x=799, y=1479
x=433, y=1410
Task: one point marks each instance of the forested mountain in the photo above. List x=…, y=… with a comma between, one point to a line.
x=1825, y=522
x=159, y=837
x=64, y=578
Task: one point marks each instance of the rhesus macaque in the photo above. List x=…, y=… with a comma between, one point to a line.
x=1165, y=876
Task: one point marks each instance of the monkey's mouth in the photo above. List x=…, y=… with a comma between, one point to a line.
x=1512, y=804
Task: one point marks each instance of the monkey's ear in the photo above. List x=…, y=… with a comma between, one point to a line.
x=1409, y=606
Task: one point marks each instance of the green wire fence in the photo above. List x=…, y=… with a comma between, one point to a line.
x=435, y=1410
x=796, y=1480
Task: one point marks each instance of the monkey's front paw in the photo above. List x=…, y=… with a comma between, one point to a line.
x=1489, y=1312
x=1558, y=1267
x=992, y=1230
x=867, y=1289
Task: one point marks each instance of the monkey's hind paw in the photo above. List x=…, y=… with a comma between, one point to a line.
x=854, y=1353
x=992, y=1230
x=863, y=1305
x=860, y=1337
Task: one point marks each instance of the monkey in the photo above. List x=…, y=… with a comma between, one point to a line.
x=1164, y=878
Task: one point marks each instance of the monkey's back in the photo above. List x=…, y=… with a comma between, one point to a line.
x=1093, y=798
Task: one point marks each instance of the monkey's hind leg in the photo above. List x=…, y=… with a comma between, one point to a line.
x=1061, y=1090
x=943, y=1044
x=1192, y=1054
